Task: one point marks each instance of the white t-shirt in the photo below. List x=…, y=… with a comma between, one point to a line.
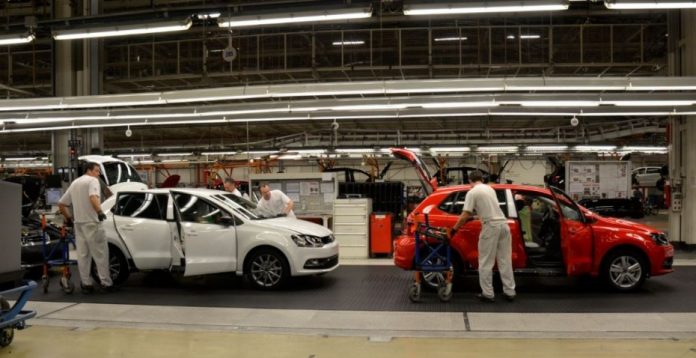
x=237, y=192
x=482, y=198
x=78, y=195
x=276, y=204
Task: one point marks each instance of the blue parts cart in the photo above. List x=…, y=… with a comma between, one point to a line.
x=14, y=317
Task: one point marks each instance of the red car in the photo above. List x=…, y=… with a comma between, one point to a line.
x=551, y=235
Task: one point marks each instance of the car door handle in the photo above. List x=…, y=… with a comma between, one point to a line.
x=192, y=233
x=127, y=228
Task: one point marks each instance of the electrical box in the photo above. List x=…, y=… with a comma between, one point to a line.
x=380, y=233
x=676, y=202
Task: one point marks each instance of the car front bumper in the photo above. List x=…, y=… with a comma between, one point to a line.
x=315, y=260
x=661, y=260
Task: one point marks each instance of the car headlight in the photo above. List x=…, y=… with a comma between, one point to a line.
x=660, y=238
x=307, y=240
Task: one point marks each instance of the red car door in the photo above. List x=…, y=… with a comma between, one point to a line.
x=577, y=242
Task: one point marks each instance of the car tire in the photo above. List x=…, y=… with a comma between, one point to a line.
x=624, y=270
x=266, y=269
x=118, y=267
x=433, y=280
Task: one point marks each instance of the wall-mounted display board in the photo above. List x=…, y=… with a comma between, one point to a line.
x=598, y=179
x=312, y=193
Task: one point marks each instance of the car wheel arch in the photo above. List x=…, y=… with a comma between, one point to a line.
x=246, y=261
x=627, y=247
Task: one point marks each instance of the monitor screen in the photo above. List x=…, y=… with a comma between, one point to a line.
x=53, y=195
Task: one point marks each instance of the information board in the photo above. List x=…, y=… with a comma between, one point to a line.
x=598, y=179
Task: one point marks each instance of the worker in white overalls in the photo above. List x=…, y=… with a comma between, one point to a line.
x=495, y=242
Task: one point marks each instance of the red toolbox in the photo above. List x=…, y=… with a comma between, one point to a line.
x=380, y=234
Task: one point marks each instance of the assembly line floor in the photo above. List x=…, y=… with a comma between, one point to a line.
x=362, y=310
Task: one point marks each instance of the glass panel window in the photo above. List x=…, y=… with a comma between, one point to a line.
x=197, y=210
x=142, y=205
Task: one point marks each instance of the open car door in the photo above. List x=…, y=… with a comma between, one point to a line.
x=577, y=242
x=429, y=183
x=208, y=233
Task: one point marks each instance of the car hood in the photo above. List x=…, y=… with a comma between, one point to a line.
x=296, y=226
x=625, y=225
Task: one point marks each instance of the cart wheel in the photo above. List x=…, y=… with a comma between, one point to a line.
x=414, y=293
x=44, y=283
x=67, y=285
x=445, y=292
x=6, y=336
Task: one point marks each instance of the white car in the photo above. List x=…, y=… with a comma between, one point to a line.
x=202, y=231
x=646, y=176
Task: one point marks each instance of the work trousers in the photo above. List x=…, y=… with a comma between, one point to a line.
x=91, y=244
x=495, y=245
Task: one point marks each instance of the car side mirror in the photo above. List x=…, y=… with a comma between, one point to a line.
x=225, y=220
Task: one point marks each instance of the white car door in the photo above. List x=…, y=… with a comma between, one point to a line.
x=140, y=220
x=208, y=233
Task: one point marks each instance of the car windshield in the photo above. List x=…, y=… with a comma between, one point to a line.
x=119, y=172
x=242, y=206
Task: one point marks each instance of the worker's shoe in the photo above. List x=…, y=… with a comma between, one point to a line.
x=484, y=298
x=109, y=289
x=509, y=298
x=87, y=289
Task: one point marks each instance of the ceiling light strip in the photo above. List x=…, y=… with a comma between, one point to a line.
x=296, y=17
x=122, y=30
x=469, y=7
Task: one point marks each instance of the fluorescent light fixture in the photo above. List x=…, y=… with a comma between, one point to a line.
x=450, y=149
x=211, y=15
x=527, y=103
x=595, y=148
x=122, y=30
x=19, y=159
x=510, y=37
x=355, y=150
x=174, y=154
x=218, y=153
x=16, y=39
x=307, y=151
x=650, y=103
x=472, y=104
x=497, y=149
x=261, y=152
x=467, y=7
x=547, y=148
x=296, y=17
x=660, y=150
x=175, y=161
x=454, y=38
x=140, y=161
x=133, y=155
x=290, y=157
x=529, y=37
x=348, y=43
x=648, y=4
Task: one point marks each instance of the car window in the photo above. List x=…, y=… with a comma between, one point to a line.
x=570, y=210
x=502, y=201
x=142, y=205
x=195, y=209
x=118, y=172
x=240, y=206
x=454, y=203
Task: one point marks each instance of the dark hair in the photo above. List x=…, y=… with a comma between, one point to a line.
x=89, y=166
x=229, y=180
x=262, y=184
x=475, y=176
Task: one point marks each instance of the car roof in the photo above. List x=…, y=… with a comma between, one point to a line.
x=99, y=158
x=183, y=190
x=449, y=189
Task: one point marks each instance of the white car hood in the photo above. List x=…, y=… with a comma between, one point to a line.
x=296, y=225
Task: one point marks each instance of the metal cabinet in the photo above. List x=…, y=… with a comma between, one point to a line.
x=351, y=226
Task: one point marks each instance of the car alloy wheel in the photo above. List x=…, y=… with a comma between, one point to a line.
x=266, y=270
x=625, y=271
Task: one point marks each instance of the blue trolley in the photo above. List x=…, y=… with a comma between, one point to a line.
x=432, y=255
x=14, y=317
